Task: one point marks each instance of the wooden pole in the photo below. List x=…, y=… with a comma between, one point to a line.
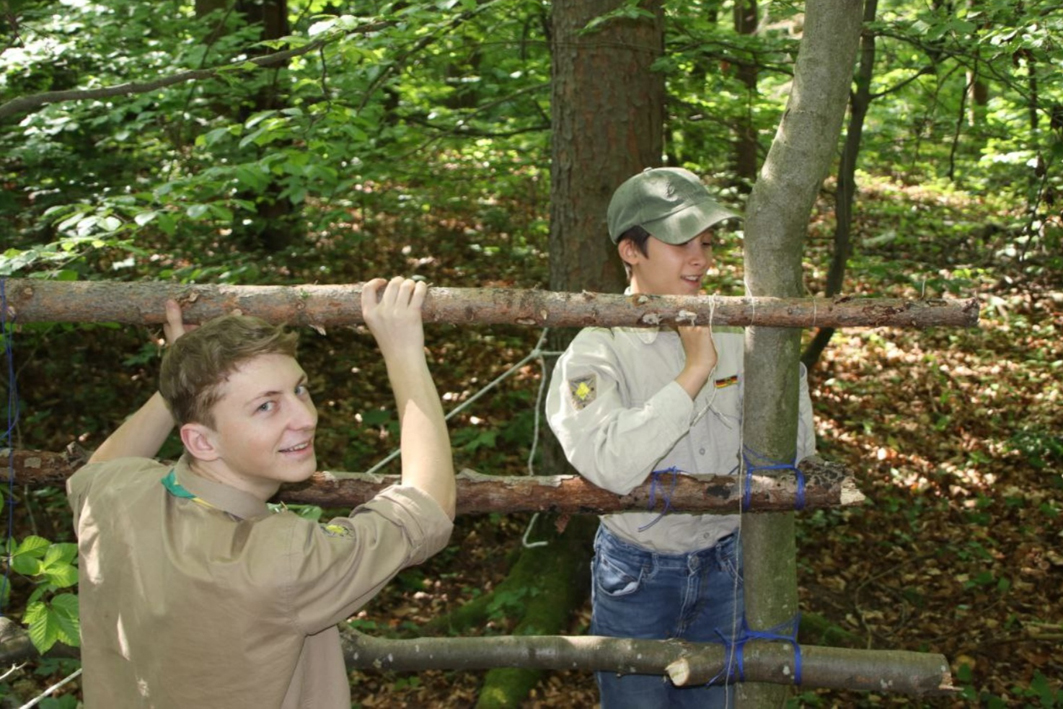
x=826, y=485
x=322, y=306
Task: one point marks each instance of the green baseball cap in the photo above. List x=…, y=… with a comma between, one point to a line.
x=668, y=202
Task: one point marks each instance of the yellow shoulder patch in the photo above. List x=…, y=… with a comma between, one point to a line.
x=336, y=530
x=583, y=390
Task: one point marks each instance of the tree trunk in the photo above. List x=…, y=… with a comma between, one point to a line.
x=846, y=192
x=776, y=223
x=276, y=219
x=143, y=303
x=746, y=143
x=608, y=109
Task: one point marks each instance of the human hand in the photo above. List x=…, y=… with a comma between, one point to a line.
x=175, y=325
x=701, y=357
x=395, y=320
x=698, y=346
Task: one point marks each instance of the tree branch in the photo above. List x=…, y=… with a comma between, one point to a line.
x=827, y=485
x=320, y=306
x=918, y=674
x=26, y=104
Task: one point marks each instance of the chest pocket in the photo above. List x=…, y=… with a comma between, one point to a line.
x=723, y=395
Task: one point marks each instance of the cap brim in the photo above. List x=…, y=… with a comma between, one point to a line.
x=686, y=224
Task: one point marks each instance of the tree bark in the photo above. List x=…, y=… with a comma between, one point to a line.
x=826, y=485
x=321, y=306
x=776, y=223
x=607, y=124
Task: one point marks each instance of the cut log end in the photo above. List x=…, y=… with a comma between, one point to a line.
x=679, y=671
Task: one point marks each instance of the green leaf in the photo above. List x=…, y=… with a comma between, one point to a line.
x=197, y=211
x=43, y=628
x=145, y=218
x=252, y=177
x=68, y=618
x=61, y=575
x=33, y=546
x=167, y=224
x=61, y=553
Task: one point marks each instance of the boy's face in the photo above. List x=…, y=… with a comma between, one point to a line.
x=669, y=269
x=264, y=426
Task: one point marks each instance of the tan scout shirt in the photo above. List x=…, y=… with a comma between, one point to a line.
x=210, y=600
x=619, y=415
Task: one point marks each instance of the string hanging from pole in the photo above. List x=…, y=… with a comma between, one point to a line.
x=537, y=353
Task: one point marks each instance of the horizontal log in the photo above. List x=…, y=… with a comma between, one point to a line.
x=323, y=306
x=827, y=485
x=917, y=674
x=904, y=672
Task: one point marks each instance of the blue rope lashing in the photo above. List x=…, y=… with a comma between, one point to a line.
x=734, y=670
x=655, y=478
x=747, y=494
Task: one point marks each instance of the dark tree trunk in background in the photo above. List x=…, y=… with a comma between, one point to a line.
x=746, y=156
x=608, y=115
x=276, y=221
x=608, y=110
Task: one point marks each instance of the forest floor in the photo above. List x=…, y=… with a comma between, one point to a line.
x=955, y=437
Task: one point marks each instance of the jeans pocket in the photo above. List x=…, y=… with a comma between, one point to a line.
x=615, y=578
x=732, y=564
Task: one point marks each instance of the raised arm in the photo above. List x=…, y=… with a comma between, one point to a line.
x=395, y=322
x=143, y=433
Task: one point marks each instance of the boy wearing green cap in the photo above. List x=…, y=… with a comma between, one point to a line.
x=626, y=403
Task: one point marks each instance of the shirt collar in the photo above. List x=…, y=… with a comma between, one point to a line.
x=238, y=503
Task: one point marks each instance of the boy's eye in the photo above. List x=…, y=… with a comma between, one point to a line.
x=268, y=406
x=301, y=390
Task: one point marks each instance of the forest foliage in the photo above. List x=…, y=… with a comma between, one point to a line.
x=184, y=142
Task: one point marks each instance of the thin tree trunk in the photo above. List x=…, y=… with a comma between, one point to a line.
x=776, y=223
x=859, y=104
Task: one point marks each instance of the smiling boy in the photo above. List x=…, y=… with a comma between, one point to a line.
x=625, y=402
x=193, y=593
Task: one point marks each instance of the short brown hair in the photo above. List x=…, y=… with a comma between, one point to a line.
x=196, y=365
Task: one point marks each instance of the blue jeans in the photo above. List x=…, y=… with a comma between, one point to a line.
x=637, y=593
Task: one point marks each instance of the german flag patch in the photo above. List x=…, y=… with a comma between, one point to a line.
x=727, y=381
x=583, y=391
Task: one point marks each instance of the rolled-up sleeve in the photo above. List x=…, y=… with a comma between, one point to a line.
x=336, y=568
x=612, y=445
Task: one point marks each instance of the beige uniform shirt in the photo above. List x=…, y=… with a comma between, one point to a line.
x=619, y=414
x=198, y=596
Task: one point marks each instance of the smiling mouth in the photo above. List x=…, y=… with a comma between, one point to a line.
x=295, y=449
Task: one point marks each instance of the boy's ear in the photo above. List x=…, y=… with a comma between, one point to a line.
x=200, y=441
x=629, y=253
